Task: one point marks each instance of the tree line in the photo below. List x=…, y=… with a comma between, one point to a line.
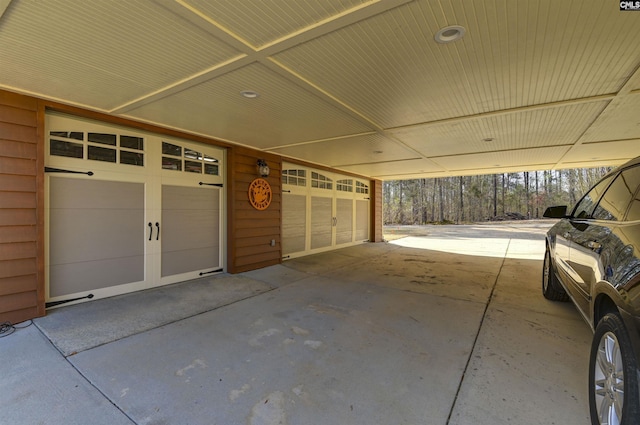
x=484, y=197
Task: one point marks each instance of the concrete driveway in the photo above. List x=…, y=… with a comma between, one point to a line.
x=441, y=325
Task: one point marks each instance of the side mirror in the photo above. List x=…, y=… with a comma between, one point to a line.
x=556, y=212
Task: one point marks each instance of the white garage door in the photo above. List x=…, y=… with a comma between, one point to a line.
x=322, y=211
x=127, y=210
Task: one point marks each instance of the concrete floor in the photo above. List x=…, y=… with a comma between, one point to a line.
x=442, y=325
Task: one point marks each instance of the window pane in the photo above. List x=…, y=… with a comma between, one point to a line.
x=192, y=167
x=132, y=142
x=171, y=164
x=69, y=149
x=170, y=149
x=69, y=135
x=102, y=154
x=191, y=154
x=102, y=138
x=76, y=135
x=585, y=207
x=132, y=158
x=211, y=169
x=209, y=159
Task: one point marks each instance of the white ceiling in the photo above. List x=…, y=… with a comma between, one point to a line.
x=356, y=85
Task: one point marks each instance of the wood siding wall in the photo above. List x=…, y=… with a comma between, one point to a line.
x=21, y=209
x=251, y=231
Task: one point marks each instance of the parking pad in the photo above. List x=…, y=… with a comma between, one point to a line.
x=403, y=332
x=343, y=351
x=39, y=386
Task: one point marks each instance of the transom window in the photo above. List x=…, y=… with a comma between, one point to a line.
x=105, y=147
x=321, y=181
x=179, y=158
x=294, y=177
x=345, y=185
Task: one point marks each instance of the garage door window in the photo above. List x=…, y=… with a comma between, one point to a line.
x=345, y=185
x=104, y=147
x=321, y=181
x=294, y=177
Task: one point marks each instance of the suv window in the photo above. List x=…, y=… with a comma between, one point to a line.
x=585, y=207
x=615, y=201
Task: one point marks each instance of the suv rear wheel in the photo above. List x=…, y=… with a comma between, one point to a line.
x=613, y=375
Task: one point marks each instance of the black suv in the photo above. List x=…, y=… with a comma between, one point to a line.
x=593, y=258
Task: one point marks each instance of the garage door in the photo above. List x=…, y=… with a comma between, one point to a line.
x=127, y=210
x=322, y=211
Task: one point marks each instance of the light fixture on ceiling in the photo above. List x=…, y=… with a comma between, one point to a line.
x=488, y=139
x=249, y=94
x=450, y=34
x=263, y=168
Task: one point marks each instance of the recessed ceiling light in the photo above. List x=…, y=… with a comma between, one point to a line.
x=450, y=34
x=249, y=94
x=488, y=139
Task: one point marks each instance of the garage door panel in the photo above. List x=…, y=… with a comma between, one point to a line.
x=72, y=278
x=321, y=222
x=344, y=221
x=294, y=223
x=190, y=233
x=93, y=245
x=362, y=220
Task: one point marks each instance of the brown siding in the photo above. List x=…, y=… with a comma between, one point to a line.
x=250, y=231
x=376, y=213
x=21, y=209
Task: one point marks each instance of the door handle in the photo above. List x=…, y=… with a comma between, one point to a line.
x=158, y=228
x=150, y=230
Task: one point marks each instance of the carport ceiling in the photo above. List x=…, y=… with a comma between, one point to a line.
x=356, y=85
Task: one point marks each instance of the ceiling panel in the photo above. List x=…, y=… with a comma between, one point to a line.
x=514, y=54
x=283, y=113
x=395, y=169
x=620, y=122
x=613, y=152
x=349, y=151
x=516, y=130
x=261, y=22
x=513, y=158
x=102, y=55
